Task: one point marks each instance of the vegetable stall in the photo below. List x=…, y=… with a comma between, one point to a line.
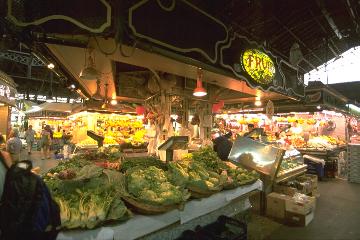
x=103, y=191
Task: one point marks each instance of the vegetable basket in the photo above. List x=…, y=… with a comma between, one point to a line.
x=147, y=209
x=197, y=192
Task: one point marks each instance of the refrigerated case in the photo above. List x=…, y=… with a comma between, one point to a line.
x=274, y=164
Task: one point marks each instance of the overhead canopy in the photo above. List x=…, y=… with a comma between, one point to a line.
x=51, y=110
x=350, y=90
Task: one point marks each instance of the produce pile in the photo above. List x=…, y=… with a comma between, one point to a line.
x=144, y=162
x=319, y=142
x=88, y=196
x=204, y=173
x=287, y=164
x=151, y=185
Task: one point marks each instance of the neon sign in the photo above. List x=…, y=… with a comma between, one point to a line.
x=259, y=66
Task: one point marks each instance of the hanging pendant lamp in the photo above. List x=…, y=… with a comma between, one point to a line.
x=89, y=71
x=199, y=91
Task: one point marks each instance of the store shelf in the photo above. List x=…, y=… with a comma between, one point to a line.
x=291, y=173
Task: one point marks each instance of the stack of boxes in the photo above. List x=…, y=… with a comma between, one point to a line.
x=354, y=163
x=297, y=210
x=294, y=203
x=305, y=184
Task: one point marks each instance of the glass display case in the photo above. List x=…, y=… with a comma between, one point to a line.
x=292, y=164
x=261, y=157
x=276, y=163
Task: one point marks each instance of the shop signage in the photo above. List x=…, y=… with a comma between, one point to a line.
x=258, y=65
x=188, y=34
x=5, y=91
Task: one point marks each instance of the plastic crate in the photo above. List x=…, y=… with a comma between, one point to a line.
x=315, y=168
x=224, y=228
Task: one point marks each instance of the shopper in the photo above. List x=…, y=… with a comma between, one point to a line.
x=14, y=145
x=46, y=142
x=30, y=138
x=250, y=128
x=223, y=145
x=5, y=163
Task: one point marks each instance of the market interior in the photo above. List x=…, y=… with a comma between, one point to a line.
x=185, y=120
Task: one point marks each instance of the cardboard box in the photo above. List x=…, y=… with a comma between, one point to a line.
x=295, y=219
x=313, y=178
x=290, y=191
x=275, y=205
x=308, y=182
x=315, y=193
x=303, y=207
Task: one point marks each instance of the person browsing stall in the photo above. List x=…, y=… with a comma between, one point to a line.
x=223, y=145
x=5, y=163
x=250, y=128
x=46, y=141
x=14, y=145
x=30, y=138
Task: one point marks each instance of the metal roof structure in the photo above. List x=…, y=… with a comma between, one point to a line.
x=304, y=33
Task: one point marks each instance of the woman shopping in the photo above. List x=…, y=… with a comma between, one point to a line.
x=14, y=145
x=46, y=142
x=30, y=138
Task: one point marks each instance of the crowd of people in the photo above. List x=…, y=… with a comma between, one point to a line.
x=14, y=146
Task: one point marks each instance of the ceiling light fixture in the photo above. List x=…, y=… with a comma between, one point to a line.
x=113, y=102
x=72, y=86
x=89, y=71
x=199, y=91
x=258, y=103
x=51, y=66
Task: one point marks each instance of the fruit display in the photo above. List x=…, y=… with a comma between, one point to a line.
x=324, y=142
x=87, y=141
x=122, y=129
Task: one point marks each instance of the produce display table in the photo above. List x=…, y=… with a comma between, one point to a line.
x=170, y=225
x=330, y=156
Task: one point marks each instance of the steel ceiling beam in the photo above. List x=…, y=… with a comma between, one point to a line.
x=329, y=19
x=352, y=15
x=334, y=51
x=20, y=57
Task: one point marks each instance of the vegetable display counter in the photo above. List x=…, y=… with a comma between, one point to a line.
x=331, y=156
x=170, y=225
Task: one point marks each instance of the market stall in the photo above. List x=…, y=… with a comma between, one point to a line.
x=7, y=101
x=125, y=130
x=134, y=188
x=318, y=131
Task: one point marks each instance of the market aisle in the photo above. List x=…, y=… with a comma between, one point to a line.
x=337, y=215
x=37, y=162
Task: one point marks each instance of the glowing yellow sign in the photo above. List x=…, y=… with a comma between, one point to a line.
x=259, y=66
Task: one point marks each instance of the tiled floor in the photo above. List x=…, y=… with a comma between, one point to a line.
x=337, y=217
x=36, y=156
